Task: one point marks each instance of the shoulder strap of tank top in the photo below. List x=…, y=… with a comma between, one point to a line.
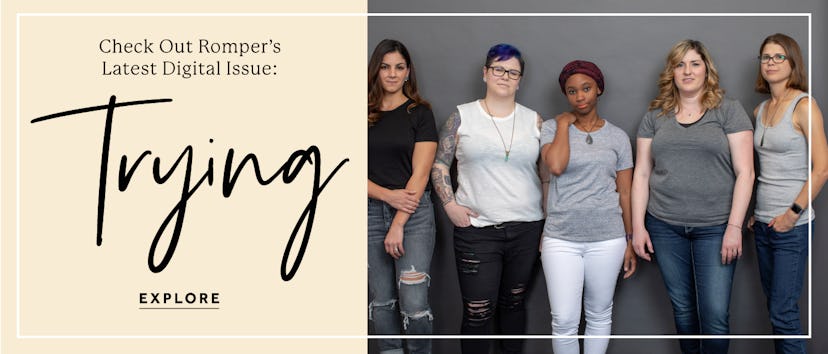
x=761, y=111
x=789, y=111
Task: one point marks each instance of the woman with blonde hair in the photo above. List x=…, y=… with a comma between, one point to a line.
x=691, y=189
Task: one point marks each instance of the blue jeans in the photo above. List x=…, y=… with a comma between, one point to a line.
x=397, y=302
x=783, y=257
x=698, y=283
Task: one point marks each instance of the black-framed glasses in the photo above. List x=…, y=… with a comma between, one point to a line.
x=500, y=71
x=777, y=58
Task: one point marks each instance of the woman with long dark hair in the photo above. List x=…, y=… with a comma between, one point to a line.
x=402, y=140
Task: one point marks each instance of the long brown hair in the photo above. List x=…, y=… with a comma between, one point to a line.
x=375, y=91
x=668, y=95
x=798, y=79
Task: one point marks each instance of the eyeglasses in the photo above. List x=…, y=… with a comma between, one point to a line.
x=500, y=71
x=777, y=58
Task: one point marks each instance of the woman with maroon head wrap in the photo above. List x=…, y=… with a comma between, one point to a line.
x=588, y=211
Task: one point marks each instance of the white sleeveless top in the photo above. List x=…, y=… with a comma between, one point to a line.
x=498, y=189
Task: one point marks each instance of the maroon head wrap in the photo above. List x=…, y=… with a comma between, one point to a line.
x=581, y=67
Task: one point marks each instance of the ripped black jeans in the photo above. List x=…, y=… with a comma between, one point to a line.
x=494, y=266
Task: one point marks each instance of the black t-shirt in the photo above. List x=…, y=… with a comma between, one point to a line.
x=391, y=144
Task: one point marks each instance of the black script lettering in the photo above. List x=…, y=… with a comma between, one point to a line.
x=289, y=171
x=178, y=210
x=312, y=156
x=110, y=111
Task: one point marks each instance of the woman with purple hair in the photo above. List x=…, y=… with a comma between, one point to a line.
x=496, y=209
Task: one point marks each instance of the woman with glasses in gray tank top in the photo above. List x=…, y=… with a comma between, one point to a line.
x=782, y=215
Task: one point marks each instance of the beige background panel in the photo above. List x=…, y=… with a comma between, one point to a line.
x=230, y=245
x=207, y=346
x=234, y=246
x=165, y=6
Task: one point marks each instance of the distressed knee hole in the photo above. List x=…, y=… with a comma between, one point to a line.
x=412, y=277
x=478, y=311
x=415, y=316
x=390, y=305
x=469, y=263
x=514, y=300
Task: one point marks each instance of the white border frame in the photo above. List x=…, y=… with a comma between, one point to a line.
x=367, y=15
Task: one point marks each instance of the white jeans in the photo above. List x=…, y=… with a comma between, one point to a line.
x=575, y=268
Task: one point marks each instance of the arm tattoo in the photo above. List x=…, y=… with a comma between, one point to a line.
x=441, y=181
x=440, y=176
x=448, y=140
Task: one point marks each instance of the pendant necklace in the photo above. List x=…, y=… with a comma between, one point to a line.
x=512, y=139
x=690, y=116
x=589, y=136
x=771, y=118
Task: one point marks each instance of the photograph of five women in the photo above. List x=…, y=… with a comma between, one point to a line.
x=569, y=201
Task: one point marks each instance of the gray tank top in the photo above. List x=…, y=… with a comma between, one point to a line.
x=783, y=165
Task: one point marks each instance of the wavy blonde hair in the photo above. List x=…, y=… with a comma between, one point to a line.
x=668, y=95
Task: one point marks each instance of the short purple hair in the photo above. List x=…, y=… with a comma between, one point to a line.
x=502, y=52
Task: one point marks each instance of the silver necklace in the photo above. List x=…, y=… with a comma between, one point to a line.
x=502, y=141
x=690, y=115
x=771, y=118
x=589, y=136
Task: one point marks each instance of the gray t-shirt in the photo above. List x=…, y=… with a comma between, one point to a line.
x=582, y=205
x=692, y=180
